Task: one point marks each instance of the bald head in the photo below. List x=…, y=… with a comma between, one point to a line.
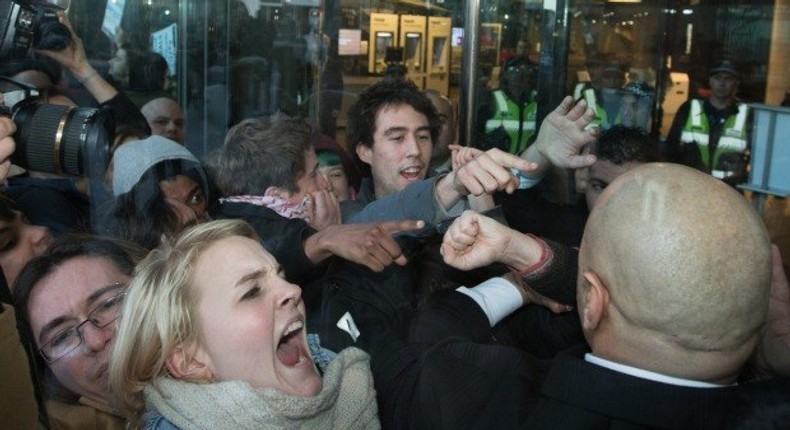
x=165, y=118
x=686, y=264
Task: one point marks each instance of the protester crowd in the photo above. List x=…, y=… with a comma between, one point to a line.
x=286, y=281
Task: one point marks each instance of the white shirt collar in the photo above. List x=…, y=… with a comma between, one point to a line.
x=646, y=374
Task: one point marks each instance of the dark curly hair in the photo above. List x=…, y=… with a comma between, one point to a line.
x=621, y=144
x=363, y=114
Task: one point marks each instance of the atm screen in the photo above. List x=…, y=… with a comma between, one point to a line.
x=384, y=40
x=437, y=57
x=412, y=51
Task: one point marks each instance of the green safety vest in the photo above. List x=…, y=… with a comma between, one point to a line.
x=507, y=116
x=580, y=91
x=733, y=136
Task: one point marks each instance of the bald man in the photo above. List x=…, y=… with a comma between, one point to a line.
x=673, y=289
x=165, y=118
x=440, y=156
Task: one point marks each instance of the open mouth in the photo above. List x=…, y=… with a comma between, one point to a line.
x=290, y=349
x=413, y=173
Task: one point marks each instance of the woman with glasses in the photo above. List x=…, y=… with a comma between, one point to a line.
x=70, y=297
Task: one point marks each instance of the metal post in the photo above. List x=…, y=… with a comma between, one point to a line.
x=470, y=72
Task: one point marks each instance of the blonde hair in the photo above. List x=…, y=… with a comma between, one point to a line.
x=159, y=313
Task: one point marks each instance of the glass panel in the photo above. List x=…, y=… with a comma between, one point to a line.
x=224, y=60
x=614, y=50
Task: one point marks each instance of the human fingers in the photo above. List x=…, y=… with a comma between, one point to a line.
x=501, y=167
x=7, y=126
x=7, y=145
x=326, y=205
x=565, y=105
x=510, y=161
x=552, y=305
x=531, y=296
x=580, y=161
x=386, y=250
x=578, y=111
x=478, y=177
x=392, y=227
x=462, y=233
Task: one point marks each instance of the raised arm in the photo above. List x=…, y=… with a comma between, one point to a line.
x=562, y=136
x=73, y=58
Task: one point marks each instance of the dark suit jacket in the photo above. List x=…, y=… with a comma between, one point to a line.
x=581, y=395
x=282, y=237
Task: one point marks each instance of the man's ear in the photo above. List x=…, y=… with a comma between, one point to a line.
x=190, y=363
x=596, y=300
x=364, y=153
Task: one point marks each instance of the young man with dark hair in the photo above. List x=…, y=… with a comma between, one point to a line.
x=393, y=126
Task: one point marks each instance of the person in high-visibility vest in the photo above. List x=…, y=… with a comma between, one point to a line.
x=514, y=106
x=712, y=135
x=635, y=106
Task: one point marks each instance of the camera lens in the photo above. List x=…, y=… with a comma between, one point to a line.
x=61, y=139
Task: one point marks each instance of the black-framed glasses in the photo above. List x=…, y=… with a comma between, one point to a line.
x=69, y=339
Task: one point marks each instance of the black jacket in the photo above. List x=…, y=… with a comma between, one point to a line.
x=282, y=237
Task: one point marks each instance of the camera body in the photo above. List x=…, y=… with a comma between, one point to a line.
x=31, y=23
x=49, y=138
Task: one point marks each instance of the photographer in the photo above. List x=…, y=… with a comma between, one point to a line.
x=76, y=198
x=73, y=58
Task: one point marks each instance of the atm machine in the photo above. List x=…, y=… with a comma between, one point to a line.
x=383, y=35
x=412, y=40
x=438, y=58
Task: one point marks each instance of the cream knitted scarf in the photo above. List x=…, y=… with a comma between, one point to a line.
x=346, y=401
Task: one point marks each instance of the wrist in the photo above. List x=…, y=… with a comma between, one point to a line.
x=86, y=75
x=532, y=257
x=445, y=191
x=315, y=246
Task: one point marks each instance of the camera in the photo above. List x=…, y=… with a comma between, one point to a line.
x=31, y=23
x=55, y=138
x=49, y=138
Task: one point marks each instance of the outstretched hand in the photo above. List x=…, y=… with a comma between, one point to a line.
x=476, y=172
x=370, y=245
x=530, y=296
x=564, y=134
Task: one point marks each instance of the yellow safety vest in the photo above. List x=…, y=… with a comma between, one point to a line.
x=733, y=136
x=581, y=90
x=507, y=117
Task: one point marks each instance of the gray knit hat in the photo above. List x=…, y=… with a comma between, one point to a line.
x=131, y=160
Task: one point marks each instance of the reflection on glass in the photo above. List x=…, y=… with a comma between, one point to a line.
x=413, y=41
x=383, y=41
x=438, y=52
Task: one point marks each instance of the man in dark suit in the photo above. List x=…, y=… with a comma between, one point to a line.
x=673, y=292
